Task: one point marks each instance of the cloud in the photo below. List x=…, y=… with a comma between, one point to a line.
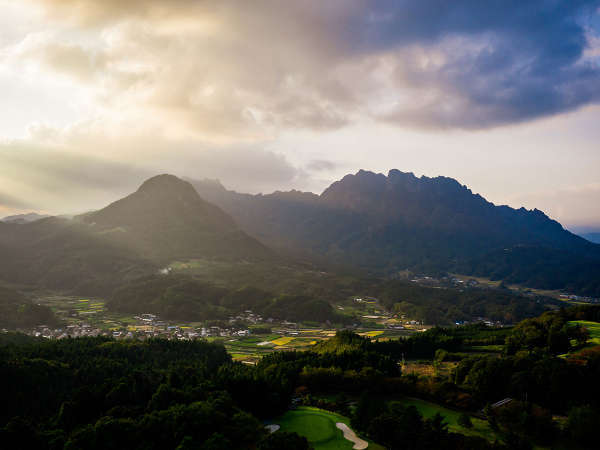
x=83, y=167
x=244, y=70
x=573, y=206
x=70, y=59
x=321, y=165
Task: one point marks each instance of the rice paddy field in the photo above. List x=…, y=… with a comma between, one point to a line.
x=251, y=349
x=248, y=349
x=77, y=310
x=319, y=427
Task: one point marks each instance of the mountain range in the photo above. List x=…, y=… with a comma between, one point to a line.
x=379, y=224
x=389, y=223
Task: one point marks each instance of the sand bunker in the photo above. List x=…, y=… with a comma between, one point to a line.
x=350, y=435
x=272, y=427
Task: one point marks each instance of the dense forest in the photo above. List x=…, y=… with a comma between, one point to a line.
x=182, y=296
x=400, y=221
x=450, y=305
x=97, y=393
x=17, y=311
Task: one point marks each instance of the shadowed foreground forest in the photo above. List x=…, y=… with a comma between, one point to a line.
x=97, y=393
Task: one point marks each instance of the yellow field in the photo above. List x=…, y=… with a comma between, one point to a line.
x=139, y=328
x=282, y=340
x=372, y=333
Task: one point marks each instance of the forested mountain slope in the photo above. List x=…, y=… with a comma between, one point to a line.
x=164, y=220
x=398, y=221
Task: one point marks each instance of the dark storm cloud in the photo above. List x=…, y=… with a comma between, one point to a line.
x=323, y=64
x=526, y=59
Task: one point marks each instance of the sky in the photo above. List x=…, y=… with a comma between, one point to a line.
x=265, y=95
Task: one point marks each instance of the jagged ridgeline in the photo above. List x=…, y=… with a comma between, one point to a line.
x=381, y=224
x=388, y=223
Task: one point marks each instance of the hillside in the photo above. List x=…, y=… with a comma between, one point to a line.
x=17, y=311
x=166, y=219
x=62, y=254
x=388, y=223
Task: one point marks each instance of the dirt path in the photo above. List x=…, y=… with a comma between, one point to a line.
x=350, y=435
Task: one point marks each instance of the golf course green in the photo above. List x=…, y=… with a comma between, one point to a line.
x=319, y=427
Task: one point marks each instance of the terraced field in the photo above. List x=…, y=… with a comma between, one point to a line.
x=250, y=349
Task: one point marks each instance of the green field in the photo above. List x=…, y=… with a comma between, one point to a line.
x=592, y=327
x=480, y=427
x=318, y=426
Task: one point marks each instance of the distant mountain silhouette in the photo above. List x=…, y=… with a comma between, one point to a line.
x=592, y=237
x=398, y=221
x=24, y=218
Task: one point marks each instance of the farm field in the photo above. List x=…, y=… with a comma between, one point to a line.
x=80, y=311
x=319, y=427
x=77, y=310
x=250, y=349
x=428, y=410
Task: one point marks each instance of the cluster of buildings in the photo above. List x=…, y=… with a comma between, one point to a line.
x=248, y=316
x=579, y=298
x=80, y=330
x=489, y=323
x=148, y=326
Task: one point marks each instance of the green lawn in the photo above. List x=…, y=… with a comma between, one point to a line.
x=592, y=327
x=480, y=427
x=318, y=426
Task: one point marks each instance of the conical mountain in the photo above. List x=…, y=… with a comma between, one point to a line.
x=166, y=219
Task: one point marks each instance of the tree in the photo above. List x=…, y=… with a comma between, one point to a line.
x=284, y=440
x=464, y=420
x=583, y=424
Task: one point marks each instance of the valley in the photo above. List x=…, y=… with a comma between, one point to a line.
x=247, y=336
x=335, y=317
